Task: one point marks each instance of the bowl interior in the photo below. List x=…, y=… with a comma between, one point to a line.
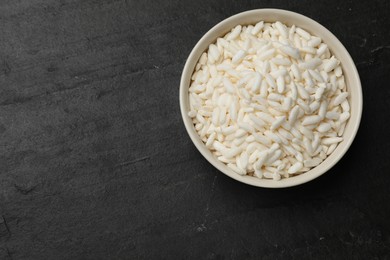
x=289, y=18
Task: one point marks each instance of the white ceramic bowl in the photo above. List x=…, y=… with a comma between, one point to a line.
x=289, y=18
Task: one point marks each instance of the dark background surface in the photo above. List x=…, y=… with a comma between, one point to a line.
x=95, y=162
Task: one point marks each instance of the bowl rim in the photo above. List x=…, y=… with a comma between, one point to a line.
x=284, y=183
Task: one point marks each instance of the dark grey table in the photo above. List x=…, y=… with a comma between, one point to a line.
x=95, y=162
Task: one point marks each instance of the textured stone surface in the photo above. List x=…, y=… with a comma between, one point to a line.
x=95, y=162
